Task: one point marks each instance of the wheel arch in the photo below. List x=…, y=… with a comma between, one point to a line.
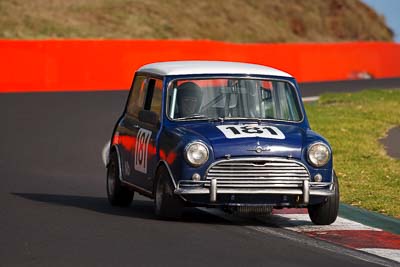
x=115, y=149
x=163, y=164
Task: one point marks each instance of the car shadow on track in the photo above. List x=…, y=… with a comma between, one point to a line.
x=142, y=209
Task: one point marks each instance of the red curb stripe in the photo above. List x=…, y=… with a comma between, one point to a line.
x=289, y=211
x=359, y=238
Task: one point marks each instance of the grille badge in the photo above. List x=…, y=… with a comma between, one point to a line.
x=260, y=149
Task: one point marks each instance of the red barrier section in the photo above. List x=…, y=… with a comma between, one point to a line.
x=68, y=65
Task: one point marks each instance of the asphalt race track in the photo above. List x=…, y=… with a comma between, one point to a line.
x=317, y=88
x=54, y=210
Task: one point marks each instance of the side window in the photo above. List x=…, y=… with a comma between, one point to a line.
x=138, y=94
x=157, y=97
x=154, y=96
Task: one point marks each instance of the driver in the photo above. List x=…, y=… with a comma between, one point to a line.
x=189, y=99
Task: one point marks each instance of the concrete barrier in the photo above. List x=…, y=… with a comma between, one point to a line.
x=76, y=65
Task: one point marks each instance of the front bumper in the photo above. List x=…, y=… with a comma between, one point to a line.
x=211, y=188
x=256, y=176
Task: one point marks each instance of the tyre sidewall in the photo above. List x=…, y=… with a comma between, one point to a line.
x=326, y=213
x=120, y=195
x=166, y=204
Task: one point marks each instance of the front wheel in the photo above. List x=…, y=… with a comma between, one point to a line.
x=167, y=205
x=118, y=195
x=326, y=213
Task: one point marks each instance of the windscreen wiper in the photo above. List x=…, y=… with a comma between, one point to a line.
x=258, y=120
x=194, y=116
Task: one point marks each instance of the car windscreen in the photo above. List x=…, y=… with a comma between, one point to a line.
x=233, y=98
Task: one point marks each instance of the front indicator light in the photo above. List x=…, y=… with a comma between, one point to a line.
x=318, y=178
x=196, y=177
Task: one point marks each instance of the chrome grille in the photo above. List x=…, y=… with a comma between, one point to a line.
x=258, y=173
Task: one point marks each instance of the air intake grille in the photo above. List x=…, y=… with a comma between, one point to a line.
x=258, y=173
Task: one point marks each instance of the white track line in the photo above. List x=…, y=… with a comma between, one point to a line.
x=310, y=98
x=393, y=254
x=302, y=223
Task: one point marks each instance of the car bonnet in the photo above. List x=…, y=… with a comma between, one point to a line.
x=247, y=139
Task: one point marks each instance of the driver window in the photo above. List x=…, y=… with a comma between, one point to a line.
x=153, y=103
x=138, y=92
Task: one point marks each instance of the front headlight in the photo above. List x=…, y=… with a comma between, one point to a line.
x=318, y=154
x=196, y=154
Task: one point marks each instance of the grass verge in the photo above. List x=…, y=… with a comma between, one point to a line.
x=243, y=21
x=353, y=124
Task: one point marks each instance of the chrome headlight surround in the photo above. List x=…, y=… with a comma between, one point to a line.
x=318, y=154
x=196, y=154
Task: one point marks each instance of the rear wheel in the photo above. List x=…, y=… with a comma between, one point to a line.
x=326, y=213
x=167, y=204
x=117, y=193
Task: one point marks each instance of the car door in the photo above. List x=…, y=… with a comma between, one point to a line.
x=128, y=127
x=145, y=157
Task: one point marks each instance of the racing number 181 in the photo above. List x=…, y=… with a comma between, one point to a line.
x=141, y=150
x=246, y=131
x=251, y=130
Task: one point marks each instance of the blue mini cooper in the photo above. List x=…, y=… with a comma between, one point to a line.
x=219, y=134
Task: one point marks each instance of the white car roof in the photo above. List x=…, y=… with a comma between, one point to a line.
x=209, y=67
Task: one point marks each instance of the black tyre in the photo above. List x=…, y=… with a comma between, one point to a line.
x=118, y=194
x=326, y=213
x=167, y=204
